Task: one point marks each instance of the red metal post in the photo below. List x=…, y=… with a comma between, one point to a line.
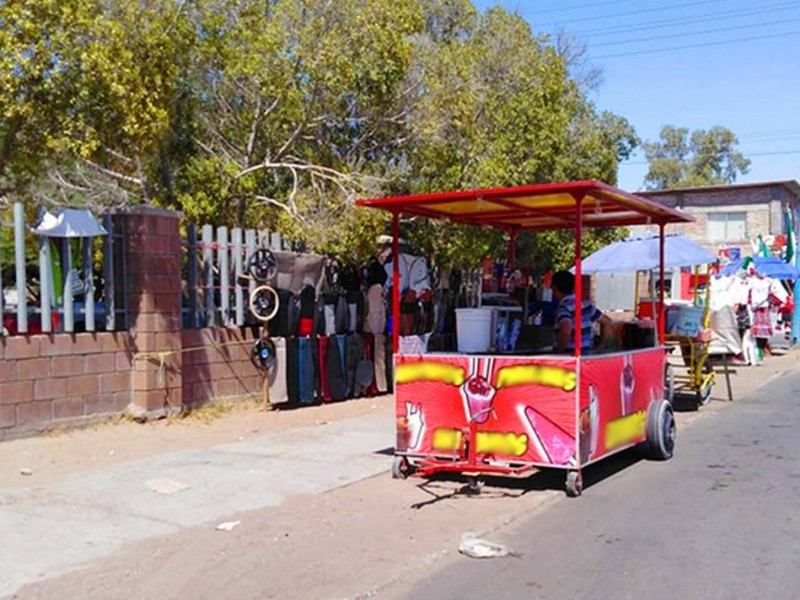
x=661, y=315
x=395, y=282
x=578, y=273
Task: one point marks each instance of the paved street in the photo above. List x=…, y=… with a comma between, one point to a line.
x=320, y=518
x=719, y=521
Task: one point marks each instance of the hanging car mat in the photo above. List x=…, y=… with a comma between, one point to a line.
x=369, y=356
x=307, y=371
x=322, y=368
x=335, y=368
x=354, y=354
x=380, y=363
x=292, y=371
x=277, y=374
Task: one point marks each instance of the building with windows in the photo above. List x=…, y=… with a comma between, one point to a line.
x=731, y=215
x=726, y=217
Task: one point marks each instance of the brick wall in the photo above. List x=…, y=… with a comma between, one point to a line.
x=66, y=379
x=216, y=364
x=47, y=380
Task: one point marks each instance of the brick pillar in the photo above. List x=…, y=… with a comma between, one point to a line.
x=153, y=267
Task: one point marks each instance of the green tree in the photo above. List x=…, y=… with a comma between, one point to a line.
x=683, y=159
x=482, y=120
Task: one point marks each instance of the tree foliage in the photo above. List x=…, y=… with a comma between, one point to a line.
x=282, y=112
x=683, y=159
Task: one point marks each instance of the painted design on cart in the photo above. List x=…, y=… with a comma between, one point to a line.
x=590, y=426
x=487, y=442
x=625, y=430
x=416, y=424
x=627, y=383
x=477, y=392
x=430, y=371
x=547, y=375
x=558, y=445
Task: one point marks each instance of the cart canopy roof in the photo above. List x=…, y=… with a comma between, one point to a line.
x=641, y=253
x=534, y=207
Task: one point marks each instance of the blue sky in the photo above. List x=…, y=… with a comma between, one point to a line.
x=751, y=86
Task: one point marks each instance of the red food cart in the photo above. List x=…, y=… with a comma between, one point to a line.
x=508, y=414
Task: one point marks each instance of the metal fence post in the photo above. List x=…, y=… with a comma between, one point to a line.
x=224, y=275
x=250, y=247
x=236, y=237
x=88, y=287
x=108, y=273
x=45, y=284
x=66, y=272
x=19, y=256
x=194, y=304
x=208, y=274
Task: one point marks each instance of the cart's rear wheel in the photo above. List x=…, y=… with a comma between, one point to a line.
x=401, y=468
x=574, y=484
x=703, y=393
x=660, y=444
x=669, y=383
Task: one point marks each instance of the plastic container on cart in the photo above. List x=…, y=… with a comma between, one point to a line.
x=689, y=321
x=474, y=329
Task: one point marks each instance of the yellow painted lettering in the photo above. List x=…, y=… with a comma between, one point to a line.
x=625, y=430
x=546, y=375
x=446, y=440
x=430, y=371
x=510, y=444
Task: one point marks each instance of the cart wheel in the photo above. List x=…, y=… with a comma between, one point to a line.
x=660, y=444
x=669, y=383
x=473, y=487
x=401, y=468
x=703, y=393
x=574, y=484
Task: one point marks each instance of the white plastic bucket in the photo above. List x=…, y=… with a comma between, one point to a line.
x=474, y=329
x=689, y=321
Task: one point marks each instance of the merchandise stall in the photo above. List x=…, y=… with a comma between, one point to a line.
x=502, y=412
x=687, y=324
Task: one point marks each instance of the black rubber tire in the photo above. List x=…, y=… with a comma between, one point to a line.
x=669, y=383
x=660, y=444
x=574, y=484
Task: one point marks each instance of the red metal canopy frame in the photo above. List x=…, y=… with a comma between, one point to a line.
x=568, y=205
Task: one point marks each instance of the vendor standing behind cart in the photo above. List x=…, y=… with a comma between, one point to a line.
x=564, y=294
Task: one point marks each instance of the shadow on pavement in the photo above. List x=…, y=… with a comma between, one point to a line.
x=440, y=488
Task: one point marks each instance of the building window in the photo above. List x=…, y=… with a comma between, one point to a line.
x=727, y=226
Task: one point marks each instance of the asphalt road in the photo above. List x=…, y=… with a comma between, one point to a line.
x=719, y=521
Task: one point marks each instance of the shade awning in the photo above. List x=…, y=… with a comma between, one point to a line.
x=766, y=266
x=70, y=223
x=641, y=253
x=534, y=207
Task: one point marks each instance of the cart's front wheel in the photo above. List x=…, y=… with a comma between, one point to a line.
x=574, y=484
x=703, y=393
x=401, y=468
x=660, y=430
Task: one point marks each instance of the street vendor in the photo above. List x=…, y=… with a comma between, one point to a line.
x=563, y=285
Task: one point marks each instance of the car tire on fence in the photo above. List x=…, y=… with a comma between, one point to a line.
x=660, y=430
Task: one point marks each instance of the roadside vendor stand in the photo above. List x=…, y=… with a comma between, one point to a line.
x=508, y=414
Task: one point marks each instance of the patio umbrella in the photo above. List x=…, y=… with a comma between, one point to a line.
x=640, y=253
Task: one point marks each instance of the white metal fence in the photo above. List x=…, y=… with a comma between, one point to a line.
x=65, y=293
x=216, y=286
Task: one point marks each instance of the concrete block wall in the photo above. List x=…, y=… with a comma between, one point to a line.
x=47, y=380
x=216, y=364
